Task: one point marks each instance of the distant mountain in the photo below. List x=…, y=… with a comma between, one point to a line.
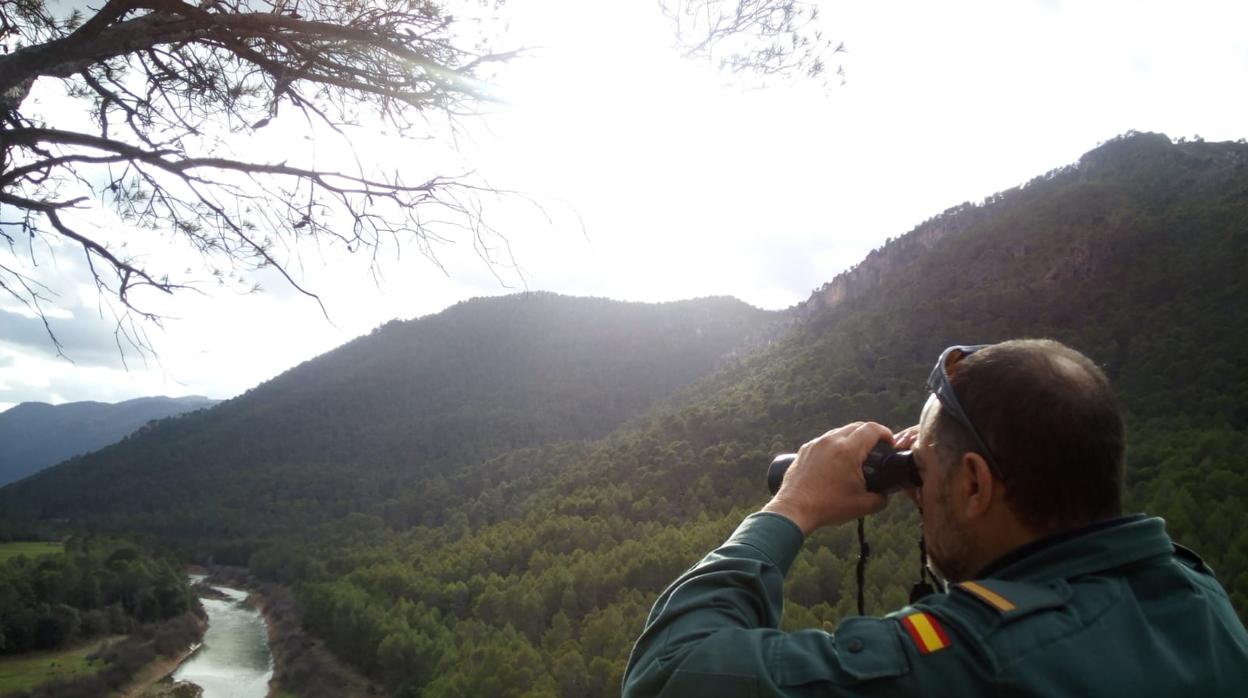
x=410, y=402
x=35, y=435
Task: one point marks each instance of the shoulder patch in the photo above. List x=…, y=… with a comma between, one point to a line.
x=988, y=596
x=925, y=631
x=1012, y=599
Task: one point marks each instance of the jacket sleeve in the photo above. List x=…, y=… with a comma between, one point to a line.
x=714, y=631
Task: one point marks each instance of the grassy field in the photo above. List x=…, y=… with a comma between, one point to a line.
x=29, y=549
x=26, y=671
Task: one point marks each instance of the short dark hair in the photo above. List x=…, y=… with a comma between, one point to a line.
x=1049, y=416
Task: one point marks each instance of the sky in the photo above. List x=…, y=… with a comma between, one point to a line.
x=646, y=178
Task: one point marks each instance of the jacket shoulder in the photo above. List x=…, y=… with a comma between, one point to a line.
x=985, y=606
x=1004, y=621
x=1189, y=559
x=1010, y=601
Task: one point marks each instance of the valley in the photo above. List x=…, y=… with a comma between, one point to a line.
x=487, y=500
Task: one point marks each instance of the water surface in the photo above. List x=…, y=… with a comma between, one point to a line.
x=234, y=661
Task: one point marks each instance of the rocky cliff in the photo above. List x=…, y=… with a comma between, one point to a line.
x=1134, y=155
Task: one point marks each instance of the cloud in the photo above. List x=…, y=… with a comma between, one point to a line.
x=13, y=396
x=86, y=339
x=32, y=376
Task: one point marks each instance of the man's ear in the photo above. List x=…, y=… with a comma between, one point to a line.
x=978, y=486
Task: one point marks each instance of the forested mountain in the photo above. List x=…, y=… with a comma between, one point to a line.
x=1133, y=255
x=413, y=400
x=529, y=572
x=34, y=435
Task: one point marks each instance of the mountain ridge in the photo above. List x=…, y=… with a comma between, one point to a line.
x=1118, y=155
x=422, y=395
x=35, y=435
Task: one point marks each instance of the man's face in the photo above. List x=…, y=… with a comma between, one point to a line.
x=949, y=543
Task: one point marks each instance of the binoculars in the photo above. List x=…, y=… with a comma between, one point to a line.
x=885, y=469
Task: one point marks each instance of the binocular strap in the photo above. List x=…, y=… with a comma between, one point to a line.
x=864, y=552
x=923, y=587
x=920, y=589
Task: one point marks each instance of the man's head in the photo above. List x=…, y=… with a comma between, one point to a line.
x=1048, y=416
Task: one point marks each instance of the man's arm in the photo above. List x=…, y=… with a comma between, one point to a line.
x=738, y=587
x=714, y=632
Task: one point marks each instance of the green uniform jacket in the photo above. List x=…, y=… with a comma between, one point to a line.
x=1115, y=609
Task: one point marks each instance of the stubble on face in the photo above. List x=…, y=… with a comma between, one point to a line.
x=949, y=546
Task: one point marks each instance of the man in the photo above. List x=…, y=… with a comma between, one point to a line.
x=1051, y=591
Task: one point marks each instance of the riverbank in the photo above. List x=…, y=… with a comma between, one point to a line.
x=302, y=666
x=147, y=681
x=110, y=666
x=146, y=684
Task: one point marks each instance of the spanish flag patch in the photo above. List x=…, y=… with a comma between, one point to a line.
x=927, y=634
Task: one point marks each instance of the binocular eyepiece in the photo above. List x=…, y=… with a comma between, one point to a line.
x=886, y=469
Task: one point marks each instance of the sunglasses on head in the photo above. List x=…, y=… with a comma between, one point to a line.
x=938, y=383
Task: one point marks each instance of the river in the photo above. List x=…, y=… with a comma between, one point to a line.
x=234, y=661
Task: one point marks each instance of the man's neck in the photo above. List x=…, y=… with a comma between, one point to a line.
x=1000, y=536
x=1040, y=542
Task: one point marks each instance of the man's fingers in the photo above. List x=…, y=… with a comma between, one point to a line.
x=839, y=431
x=855, y=438
x=866, y=435
x=906, y=437
x=826, y=483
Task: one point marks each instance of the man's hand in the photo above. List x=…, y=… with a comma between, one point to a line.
x=906, y=438
x=825, y=485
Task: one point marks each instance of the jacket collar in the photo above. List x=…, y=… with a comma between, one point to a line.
x=1101, y=546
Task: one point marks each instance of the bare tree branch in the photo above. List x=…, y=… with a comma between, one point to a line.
x=764, y=40
x=178, y=92
x=170, y=85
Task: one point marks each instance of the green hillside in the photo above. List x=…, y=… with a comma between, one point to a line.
x=387, y=415
x=1133, y=256
x=526, y=568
